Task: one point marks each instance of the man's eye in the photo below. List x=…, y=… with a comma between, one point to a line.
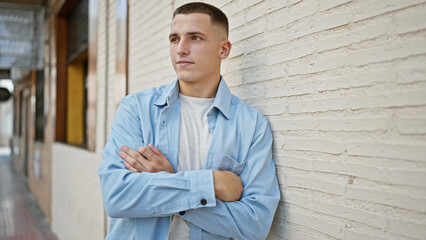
x=196, y=38
x=174, y=39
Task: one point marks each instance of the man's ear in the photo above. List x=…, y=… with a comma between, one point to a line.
x=225, y=49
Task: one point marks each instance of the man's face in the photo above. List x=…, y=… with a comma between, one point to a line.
x=195, y=47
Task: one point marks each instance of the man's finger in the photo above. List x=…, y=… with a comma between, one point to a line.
x=129, y=167
x=155, y=150
x=132, y=153
x=132, y=161
x=147, y=153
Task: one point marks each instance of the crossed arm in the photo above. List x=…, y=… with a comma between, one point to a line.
x=154, y=192
x=227, y=185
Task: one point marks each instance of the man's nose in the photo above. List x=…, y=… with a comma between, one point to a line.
x=183, y=48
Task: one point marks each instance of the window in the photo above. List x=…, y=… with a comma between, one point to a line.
x=39, y=107
x=21, y=109
x=74, y=119
x=16, y=116
x=77, y=101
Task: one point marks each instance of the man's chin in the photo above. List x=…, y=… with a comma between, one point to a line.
x=186, y=78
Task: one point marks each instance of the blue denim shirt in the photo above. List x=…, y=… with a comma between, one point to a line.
x=141, y=204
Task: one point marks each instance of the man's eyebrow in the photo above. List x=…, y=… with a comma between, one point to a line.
x=188, y=33
x=196, y=33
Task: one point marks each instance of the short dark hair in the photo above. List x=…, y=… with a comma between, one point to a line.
x=216, y=15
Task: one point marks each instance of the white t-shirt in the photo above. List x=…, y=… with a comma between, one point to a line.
x=194, y=142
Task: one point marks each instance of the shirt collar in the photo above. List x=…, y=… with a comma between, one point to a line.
x=169, y=95
x=222, y=100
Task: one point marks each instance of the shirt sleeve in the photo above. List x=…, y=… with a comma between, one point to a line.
x=250, y=217
x=136, y=195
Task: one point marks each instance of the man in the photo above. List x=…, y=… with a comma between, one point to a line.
x=189, y=159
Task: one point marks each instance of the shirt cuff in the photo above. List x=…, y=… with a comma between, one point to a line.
x=202, y=189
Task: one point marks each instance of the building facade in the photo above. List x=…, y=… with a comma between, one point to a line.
x=342, y=82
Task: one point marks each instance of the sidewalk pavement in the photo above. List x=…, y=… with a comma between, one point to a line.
x=20, y=216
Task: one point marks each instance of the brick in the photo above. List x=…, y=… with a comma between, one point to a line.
x=280, y=123
x=353, y=124
x=221, y=3
x=399, y=50
x=388, y=150
x=355, y=235
x=411, y=74
x=330, y=4
x=316, y=105
x=412, y=125
x=263, y=73
x=407, y=228
x=298, y=200
x=316, y=185
x=157, y=14
x=350, y=213
x=322, y=23
x=293, y=13
x=290, y=54
x=263, y=9
x=235, y=21
x=233, y=79
x=375, y=8
x=315, y=224
x=291, y=90
x=394, y=199
x=272, y=109
x=266, y=41
x=398, y=99
x=354, y=35
x=239, y=5
x=353, y=80
x=412, y=21
x=257, y=60
x=294, y=2
x=315, y=145
x=406, y=177
x=293, y=162
x=248, y=30
x=248, y=91
x=352, y=169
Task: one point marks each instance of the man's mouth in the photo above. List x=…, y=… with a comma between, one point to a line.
x=184, y=63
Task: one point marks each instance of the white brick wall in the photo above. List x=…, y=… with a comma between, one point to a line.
x=347, y=86
x=102, y=75
x=149, y=26
x=111, y=63
x=343, y=83
x=77, y=210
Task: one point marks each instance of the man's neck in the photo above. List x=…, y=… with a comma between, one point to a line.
x=199, y=89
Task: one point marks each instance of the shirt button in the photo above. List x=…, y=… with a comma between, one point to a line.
x=182, y=213
x=164, y=122
x=203, y=202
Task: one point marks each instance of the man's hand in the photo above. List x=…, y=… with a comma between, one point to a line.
x=146, y=159
x=227, y=186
